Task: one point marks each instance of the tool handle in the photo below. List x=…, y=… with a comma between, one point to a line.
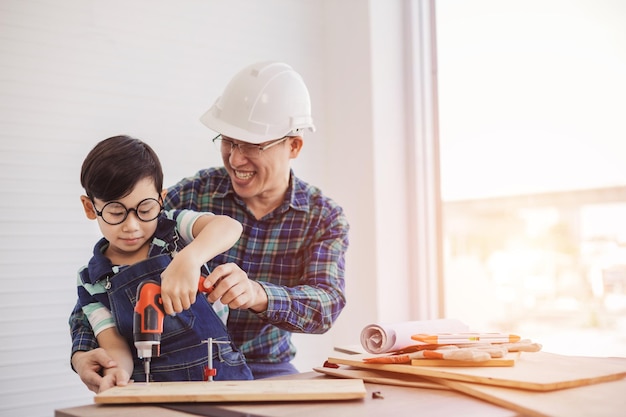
x=149, y=312
x=201, y=286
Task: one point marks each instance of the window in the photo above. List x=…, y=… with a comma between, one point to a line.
x=533, y=169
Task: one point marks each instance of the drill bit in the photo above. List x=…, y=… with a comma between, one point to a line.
x=146, y=368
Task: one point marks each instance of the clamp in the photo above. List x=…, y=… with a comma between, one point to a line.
x=209, y=371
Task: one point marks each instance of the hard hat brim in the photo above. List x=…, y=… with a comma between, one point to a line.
x=220, y=127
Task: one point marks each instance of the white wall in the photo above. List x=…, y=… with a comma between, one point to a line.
x=73, y=72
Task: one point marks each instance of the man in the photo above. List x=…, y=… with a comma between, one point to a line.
x=286, y=273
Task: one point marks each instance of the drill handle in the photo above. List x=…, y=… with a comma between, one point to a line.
x=149, y=312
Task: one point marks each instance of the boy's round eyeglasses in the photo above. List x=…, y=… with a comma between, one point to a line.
x=226, y=146
x=114, y=212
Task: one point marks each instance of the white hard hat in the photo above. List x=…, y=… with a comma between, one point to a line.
x=264, y=101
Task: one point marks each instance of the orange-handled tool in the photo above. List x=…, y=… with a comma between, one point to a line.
x=148, y=323
x=201, y=286
x=148, y=320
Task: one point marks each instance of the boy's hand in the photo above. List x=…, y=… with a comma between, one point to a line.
x=212, y=235
x=179, y=284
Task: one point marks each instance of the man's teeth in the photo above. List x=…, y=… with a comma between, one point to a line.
x=244, y=175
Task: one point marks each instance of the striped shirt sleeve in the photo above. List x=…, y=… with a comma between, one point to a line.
x=98, y=315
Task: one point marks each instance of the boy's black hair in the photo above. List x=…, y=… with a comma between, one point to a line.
x=115, y=165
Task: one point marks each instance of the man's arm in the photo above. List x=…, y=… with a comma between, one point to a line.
x=87, y=360
x=313, y=306
x=83, y=338
x=310, y=307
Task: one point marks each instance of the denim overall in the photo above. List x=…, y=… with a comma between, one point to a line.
x=183, y=354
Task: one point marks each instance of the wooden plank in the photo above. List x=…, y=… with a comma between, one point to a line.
x=606, y=399
x=227, y=391
x=538, y=371
x=398, y=401
x=508, y=360
x=380, y=377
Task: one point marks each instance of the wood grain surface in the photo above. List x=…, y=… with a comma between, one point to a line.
x=508, y=360
x=239, y=391
x=538, y=371
x=380, y=377
x=605, y=399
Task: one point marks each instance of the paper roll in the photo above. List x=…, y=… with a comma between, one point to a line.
x=382, y=338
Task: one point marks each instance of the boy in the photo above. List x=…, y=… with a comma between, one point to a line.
x=122, y=175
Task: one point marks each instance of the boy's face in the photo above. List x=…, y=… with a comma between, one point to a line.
x=128, y=241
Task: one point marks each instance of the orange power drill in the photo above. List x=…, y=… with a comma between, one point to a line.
x=148, y=321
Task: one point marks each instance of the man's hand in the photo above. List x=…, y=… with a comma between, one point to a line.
x=116, y=376
x=235, y=289
x=90, y=365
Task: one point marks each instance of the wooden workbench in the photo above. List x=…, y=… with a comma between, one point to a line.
x=396, y=401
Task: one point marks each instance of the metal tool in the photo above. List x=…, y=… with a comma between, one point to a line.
x=148, y=320
x=209, y=370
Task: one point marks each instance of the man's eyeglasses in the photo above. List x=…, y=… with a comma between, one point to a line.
x=115, y=212
x=248, y=150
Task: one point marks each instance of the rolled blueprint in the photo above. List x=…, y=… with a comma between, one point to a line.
x=382, y=338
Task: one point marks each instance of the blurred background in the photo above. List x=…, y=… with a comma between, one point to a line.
x=533, y=163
